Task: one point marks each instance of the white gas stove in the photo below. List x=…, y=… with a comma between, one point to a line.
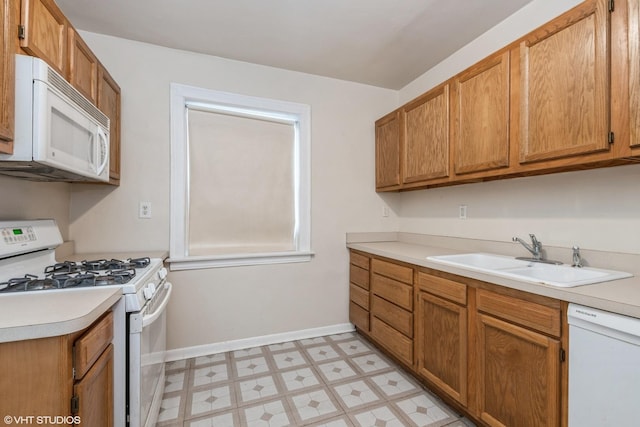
x=28, y=265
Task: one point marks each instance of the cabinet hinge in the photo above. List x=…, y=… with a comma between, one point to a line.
x=611, y=138
x=75, y=405
x=563, y=355
x=612, y=5
x=21, y=33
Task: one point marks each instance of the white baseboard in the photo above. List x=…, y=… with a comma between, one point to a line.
x=223, y=347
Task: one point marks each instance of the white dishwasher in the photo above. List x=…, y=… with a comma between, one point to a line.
x=604, y=368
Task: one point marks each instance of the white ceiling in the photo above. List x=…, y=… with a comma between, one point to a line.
x=386, y=43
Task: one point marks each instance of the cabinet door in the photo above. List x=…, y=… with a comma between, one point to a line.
x=388, y=151
x=634, y=72
x=480, y=110
x=7, y=75
x=564, y=85
x=441, y=348
x=109, y=104
x=95, y=392
x=426, y=139
x=45, y=33
x=518, y=375
x=83, y=67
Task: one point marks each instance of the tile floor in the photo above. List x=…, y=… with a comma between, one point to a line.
x=338, y=380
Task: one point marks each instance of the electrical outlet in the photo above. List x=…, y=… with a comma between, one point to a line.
x=144, y=210
x=462, y=214
x=385, y=211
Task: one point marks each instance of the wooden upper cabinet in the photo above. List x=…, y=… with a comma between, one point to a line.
x=109, y=104
x=480, y=115
x=388, y=151
x=634, y=72
x=564, y=85
x=426, y=137
x=7, y=75
x=83, y=67
x=44, y=33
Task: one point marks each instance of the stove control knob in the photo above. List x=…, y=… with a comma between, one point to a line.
x=149, y=290
x=162, y=273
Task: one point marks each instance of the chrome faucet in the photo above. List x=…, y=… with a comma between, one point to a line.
x=577, y=258
x=535, y=247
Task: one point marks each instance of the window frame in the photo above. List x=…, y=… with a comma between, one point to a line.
x=181, y=96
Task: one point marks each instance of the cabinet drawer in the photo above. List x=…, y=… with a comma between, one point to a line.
x=359, y=316
x=359, y=276
x=397, y=344
x=88, y=348
x=525, y=313
x=393, y=291
x=447, y=289
x=359, y=296
x=359, y=260
x=393, y=315
x=393, y=271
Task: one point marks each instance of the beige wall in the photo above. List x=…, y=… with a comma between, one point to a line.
x=216, y=305
x=20, y=199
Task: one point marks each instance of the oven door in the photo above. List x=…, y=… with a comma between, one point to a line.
x=147, y=347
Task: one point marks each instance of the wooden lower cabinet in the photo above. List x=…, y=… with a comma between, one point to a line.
x=493, y=353
x=37, y=376
x=518, y=375
x=359, y=291
x=441, y=344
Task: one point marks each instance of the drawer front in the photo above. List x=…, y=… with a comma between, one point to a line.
x=525, y=313
x=393, y=291
x=359, y=296
x=359, y=316
x=393, y=271
x=392, y=315
x=397, y=344
x=447, y=289
x=88, y=348
x=359, y=260
x=359, y=276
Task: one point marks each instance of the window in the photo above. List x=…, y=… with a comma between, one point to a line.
x=240, y=179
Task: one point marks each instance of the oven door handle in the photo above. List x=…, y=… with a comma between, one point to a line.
x=150, y=318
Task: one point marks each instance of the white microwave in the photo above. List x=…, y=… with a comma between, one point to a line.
x=59, y=134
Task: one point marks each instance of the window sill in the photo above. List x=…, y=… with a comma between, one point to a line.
x=236, y=260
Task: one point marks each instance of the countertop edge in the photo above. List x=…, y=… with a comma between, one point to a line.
x=620, y=296
x=46, y=329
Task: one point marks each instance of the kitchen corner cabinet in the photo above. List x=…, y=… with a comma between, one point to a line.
x=388, y=149
x=564, y=85
x=37, y=376
x=109, y=103
x=7, y=76
x=392, y=308
x=359, y=291
x=441, y=334
x=43, y=33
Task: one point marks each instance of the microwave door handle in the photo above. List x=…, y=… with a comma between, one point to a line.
x=102, y=151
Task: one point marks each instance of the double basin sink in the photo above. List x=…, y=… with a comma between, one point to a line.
x=562, y=275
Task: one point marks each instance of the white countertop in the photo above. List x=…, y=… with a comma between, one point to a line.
x=619, y=296
x=31, y=315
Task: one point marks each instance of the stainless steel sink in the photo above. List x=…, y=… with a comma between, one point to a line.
x=561, y=275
